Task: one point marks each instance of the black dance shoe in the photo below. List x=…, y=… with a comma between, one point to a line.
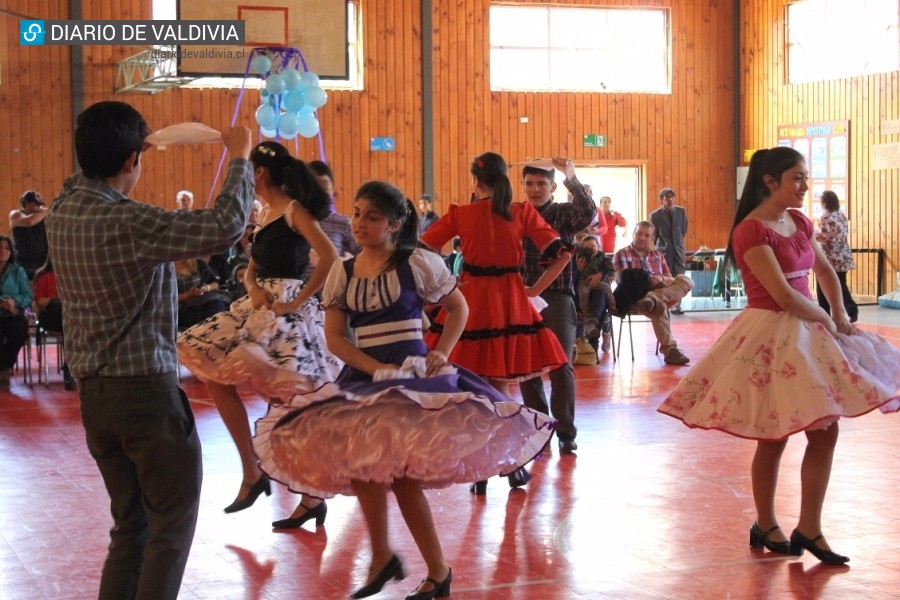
x=799, y=542
x=567, y=446
x=318, y=512
x=479, y=488
x=519, y=477
x=760, y=539
x=392, y=570
x=440, y=589
x=261, y=485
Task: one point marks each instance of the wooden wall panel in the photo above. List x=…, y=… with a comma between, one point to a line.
x=684, y=139
x=767, y=101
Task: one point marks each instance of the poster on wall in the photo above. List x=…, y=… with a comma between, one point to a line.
x=826, y=148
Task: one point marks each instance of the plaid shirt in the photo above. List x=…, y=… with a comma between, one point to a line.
x=113, y=261
x=629, y=258
x=337, y=228
x=567, y=218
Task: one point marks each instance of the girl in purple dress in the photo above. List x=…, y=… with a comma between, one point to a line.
x=785, y=365
x=398, y=416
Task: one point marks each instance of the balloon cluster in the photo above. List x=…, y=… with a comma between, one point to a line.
x=289, y=101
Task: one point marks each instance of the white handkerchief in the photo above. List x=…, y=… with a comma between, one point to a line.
x=539, y=163
x=538, y=303
x=184, y=133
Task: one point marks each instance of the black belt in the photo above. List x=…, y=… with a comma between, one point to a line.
x=488, y=271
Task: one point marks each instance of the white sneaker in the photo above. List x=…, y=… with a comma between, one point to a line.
x=607, y=342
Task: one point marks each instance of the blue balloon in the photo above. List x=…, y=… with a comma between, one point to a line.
x=288, y=126
x=266, y=116
x=269, y=133
x=275, y=84
x=308, y=125
x=261, y=64
x=315, y=96
x=309, y=79
x=293, y=100
x=291, y=79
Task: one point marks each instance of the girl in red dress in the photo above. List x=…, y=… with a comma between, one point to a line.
x=505, y=338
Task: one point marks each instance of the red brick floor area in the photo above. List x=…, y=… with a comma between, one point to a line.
x=647, y=509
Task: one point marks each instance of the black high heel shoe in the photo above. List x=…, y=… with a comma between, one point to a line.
x=318, y=512
x=519, y=477
x=440, y=589
x=261, y=485
x=479, y=488
x=799, y=542
x=760, y=539
x=392, y=570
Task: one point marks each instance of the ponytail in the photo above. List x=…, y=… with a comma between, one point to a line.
x=294, y=176
x=491, y=170
x=773, y=162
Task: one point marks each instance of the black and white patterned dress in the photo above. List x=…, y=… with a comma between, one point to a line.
x=278, y=356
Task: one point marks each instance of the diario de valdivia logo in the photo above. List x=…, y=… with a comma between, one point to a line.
x=31, y=33
x=131, y=32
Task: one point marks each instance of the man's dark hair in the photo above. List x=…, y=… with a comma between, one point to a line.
x=106, y=133
x=551, y=174
x=320, y=168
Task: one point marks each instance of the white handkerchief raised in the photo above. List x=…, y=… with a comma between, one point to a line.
x=539, y=163
x=184, y=133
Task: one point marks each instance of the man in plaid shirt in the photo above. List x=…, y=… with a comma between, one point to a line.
x=568, y=218
x=113, y=260
x=665, y=290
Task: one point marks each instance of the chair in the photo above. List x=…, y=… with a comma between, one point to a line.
x=627, y=317
x=42, y=339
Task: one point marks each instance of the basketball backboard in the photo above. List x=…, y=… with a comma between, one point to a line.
x=318, y=28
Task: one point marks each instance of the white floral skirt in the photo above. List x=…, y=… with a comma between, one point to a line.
x=772, y=374
x=278, y=356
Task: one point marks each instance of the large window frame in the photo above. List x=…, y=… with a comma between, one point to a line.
x=836, y=39
x=546, y=47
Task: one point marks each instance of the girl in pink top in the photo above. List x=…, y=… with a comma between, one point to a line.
x=785, y=365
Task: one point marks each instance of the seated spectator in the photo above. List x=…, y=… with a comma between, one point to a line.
x=199, y=296
x=236, y=283
x=593, y=285
x=49, y=310
x=15, y=298
x=29, y=232
x=665, y=291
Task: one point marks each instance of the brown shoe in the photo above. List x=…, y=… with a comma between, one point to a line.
x=676, y=357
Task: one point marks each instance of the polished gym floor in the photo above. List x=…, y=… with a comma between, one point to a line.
x=647, y=508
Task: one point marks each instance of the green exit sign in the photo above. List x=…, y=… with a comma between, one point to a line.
x=594, y=140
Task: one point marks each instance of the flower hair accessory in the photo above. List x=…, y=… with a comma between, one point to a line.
x=266, y=150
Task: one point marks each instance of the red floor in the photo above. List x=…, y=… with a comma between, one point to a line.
x=655, y=511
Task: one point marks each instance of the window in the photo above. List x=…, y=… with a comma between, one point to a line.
x=165, y=10
x=832, y=39
x=559, y=48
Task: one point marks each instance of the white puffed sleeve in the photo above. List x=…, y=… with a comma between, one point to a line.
x=433, y=279
x=335, y=286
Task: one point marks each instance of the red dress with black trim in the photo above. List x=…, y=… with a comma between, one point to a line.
x=505, y=336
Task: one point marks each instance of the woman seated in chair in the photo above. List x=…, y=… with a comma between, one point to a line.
x=15, y=297
x=198, y=292
x=49, y=310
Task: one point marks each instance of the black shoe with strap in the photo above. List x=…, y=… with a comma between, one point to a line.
x=318, y=512
x=760, y=539
x=800, y=542
x=261, y=486
x=392, y=570
x=439, y=589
